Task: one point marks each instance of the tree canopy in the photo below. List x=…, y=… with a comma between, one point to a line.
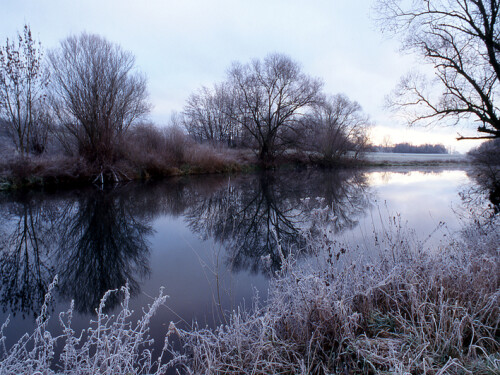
x=270, y=94
x=460, y=39
x=96, y=93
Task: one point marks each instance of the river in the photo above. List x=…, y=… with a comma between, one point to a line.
x=210, y=241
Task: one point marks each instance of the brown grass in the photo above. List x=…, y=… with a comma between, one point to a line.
x=409, y=311
x=155, y=152
x=44, y=171
x=148, y=152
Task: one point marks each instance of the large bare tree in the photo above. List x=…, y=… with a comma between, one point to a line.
x=460, y=39
x=22, y=91
x=270, y=95
x=96, y=94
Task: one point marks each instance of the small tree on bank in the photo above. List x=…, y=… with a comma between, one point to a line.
x=23, y=81
x=96, y=95
x=334, y=127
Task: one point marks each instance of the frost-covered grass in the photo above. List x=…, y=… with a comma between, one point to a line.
x=406, y=311
x=404, y=159
x=393, y=307
x=111, y=344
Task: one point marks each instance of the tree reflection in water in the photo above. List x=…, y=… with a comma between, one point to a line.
x=26, y=243
x=482, y=197
x=94, y=243
x=254, y=215
x=98, y=240
x=103, y=246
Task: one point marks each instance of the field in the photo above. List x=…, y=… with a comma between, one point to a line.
x=407, y=159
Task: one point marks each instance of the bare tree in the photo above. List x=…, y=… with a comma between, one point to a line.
x=460, y=39
x=22, y=92
x=270, y=95
x=209, y=115
x=96, y=94
x=387, y=142
x=336, y=126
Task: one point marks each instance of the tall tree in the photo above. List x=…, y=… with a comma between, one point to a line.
x=460, y=39
x=270, y=95
x=22, y=91
x=96, y=94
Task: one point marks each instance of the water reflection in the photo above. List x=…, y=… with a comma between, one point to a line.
x=254, y=217
x=102, y=246
x=99, y=240
x=26, y=243
x=251, y=220
x=482, y=197
x=94, y=242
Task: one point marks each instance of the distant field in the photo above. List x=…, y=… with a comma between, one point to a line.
x=395, y=158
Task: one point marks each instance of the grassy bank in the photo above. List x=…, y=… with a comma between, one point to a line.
x=403, y=310
x=66, y=171
x=149, y=152
x=135, y=164
x=397, y=159
x=191, y=158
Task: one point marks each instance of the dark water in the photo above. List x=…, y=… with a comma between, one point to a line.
x=211, y=241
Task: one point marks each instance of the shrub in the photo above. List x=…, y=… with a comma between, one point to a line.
x=160, y=152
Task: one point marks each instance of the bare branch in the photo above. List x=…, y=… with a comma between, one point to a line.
x=96, y=94
x=460, y=38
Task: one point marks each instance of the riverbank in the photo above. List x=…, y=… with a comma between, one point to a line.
x=406, y=309
x=397, y=159
x=61, y=171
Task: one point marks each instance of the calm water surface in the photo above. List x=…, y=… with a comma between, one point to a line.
x=204, y=239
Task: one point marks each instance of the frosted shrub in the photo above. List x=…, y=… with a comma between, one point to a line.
x=407, y=310
x=111, y=344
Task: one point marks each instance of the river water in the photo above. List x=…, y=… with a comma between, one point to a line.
x=210, y=241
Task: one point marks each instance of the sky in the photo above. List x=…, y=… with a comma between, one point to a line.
x=182, y=45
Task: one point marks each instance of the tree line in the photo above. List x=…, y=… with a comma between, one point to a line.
x=272, y=106
x=89, y=96
x=407, y=148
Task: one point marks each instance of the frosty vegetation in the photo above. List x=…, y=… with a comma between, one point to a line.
x=393, y=305
x=407, y=309
x=111, y=344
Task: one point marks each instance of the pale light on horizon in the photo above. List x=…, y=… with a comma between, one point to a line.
x=421, y=135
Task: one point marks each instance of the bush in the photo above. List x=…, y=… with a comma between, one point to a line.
x=160, y=152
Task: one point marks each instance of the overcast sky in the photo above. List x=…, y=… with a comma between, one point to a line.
x=183, y=44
